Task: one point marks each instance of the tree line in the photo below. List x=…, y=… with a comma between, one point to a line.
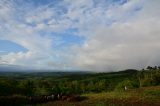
x=99, y=82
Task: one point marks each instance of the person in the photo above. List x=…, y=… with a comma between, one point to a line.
x=125, y=88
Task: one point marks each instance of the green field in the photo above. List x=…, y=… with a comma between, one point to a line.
x=146, y=96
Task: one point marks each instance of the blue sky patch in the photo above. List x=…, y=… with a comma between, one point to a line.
x=8, y=46
x=68, y=38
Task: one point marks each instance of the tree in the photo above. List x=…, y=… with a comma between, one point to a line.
x=27, y=88
x=149, y=68
x=100, y=85
x=91, y=86
x=156, y=78
x=149, y=78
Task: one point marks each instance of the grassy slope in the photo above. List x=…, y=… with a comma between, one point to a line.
x=148, y=96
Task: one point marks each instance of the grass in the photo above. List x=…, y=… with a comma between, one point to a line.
x=148, y=96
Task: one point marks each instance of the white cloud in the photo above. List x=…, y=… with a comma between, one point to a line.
x=130, y=44
x=117, y=36
x=39, y=46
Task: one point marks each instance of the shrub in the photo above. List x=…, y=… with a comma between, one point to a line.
x=147, y=82
x=126, y=83
x=152, y=92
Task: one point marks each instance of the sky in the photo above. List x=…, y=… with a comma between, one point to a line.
x=86, y=35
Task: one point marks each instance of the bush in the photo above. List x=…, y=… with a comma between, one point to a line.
x=156, y=78
x=152, y=92
x=126, y=83
x=147, y=82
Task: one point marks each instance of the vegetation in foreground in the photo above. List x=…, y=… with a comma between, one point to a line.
x=116, y=88
x=145, y=96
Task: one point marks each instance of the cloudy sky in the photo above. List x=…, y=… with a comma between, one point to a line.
x=92, y=35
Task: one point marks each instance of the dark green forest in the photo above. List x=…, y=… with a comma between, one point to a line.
x=29, y=84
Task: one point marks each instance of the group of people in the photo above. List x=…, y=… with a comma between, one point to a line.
x=45, y=98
